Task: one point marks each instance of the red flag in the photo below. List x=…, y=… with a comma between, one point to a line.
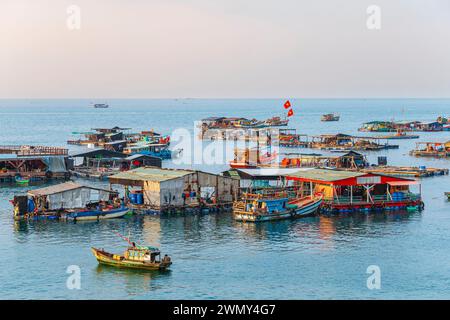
x=287, y=104
x=290, y=113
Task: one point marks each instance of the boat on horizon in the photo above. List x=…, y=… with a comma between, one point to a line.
x=330, y=117
x=101, y=105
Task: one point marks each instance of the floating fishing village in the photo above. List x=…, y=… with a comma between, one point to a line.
x=267, y=180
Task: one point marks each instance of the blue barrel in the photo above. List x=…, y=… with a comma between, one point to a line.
x=30, y=205
x=133, y=197
x=139, y=198
x=422, y=168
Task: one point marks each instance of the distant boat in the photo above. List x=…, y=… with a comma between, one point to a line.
x=101, y=105
x=330, y=117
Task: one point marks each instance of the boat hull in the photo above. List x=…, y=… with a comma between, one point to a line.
x=97, y=215
x=305, y=208
x=308, y=209
x=108, y=259
x=261, y=218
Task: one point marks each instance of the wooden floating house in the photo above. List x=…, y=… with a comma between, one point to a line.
x=347, y=142
x=156, y=190
x=68, y=200
x=291, y=139
x=101, y=163
x=432, y=149
x=23, y=164
x=222, y=128
x=393, y=126
x=100, y=136
x=346, y=191
x=253, y=179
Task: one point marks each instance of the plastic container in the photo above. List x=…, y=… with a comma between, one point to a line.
x=133, y=197
x=140, y=198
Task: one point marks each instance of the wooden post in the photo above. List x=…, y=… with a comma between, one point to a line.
x=351, y=194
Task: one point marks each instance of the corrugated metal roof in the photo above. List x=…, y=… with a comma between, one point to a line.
x=62, y=187
x=325, y=175
x=137, y=156
x=272, y=171
x=151, y=174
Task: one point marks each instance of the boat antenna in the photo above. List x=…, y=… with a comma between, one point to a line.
x=124, y=238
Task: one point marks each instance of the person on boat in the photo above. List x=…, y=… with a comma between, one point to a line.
x=166, y=259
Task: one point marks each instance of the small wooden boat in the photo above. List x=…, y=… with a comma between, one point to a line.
x=91, y=215
x=448, y=195
x=21, y=181
x=260, y=207
x=330, y=117
x=135, y=257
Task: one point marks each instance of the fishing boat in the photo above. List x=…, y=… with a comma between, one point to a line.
x=21, y=180
x=275, y=122
x=252, y=158
x=101, y=105
x=448, y=195
x=330, y=117
x=160, y=150
x=431, y=149
x=134, y=257
x=261, y=207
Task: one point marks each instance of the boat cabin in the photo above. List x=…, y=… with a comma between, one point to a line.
x=143, y=254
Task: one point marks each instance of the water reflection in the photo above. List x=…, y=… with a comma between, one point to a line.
x=133, y=281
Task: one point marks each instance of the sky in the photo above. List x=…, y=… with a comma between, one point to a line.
x=224, y=49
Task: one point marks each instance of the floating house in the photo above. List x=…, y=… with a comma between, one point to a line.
x=157, y=190
x=392, y=126
x=347, y=142
x=101, y=163
x=212, y=128
x=23, y=164
x=68, y=200
x=346, y=191
x=260, y=178
x=99, y=136
x=291, y=139
x=429, y=126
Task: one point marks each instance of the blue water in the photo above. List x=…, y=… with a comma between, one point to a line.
x=215, y=257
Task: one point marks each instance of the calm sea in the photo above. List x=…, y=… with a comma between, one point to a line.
x=215, y=257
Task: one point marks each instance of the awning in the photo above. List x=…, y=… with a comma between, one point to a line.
x=402, y=183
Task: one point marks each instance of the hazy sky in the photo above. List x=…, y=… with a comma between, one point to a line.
x=224, y=49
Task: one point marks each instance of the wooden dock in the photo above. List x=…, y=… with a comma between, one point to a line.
x=407, y=171
x=26, y=150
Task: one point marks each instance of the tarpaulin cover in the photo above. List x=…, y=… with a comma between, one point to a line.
x=55, y=164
